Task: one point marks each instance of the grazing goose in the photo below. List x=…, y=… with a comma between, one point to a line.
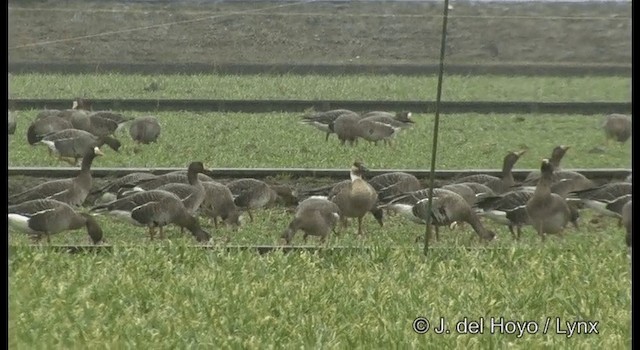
x=46, y=113
x=466, y=192
x=250, y=194
x=392, y=184
x=72, y=191
x=117, y=118
x=45, y=217
x=315, y=216
x=617, y=127
x=127, y=182
x=12, y=123
x=96, y=125
x=556, y=156
x=480, y=190
x=627, y=214
x=599, y=198
x=154, y=209
x=74, y=144
x=510, y=209
x=498, y=185
x=548, y=212
x=402, y=119
x=374, y=131
x=45, y=126
x=356, y=198
x=145, y=130
x=346, y=128
x=321, y=120
x=447, y=208
x=218, y=203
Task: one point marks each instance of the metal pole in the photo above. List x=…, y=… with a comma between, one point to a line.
x=434, y=148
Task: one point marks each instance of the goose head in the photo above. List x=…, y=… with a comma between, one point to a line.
x=93, y=229
x=559, y=152
x=546, y=167
x=404, y=116
x=113, y=143
x=358, y=170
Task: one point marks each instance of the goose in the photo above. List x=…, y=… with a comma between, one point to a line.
x=617, y=127
x=191, y=194
x=346, y=128
x=391, y=184
x=548, y=212
x=46, y=113
x=627, y=214
x=117, y=118
x=356, y=198
x=250, y=194
x=599, y=198
x=557, y=154
x=374, y=131
x=402, y=119
x=315, y=216
x=377, y=213
x=45, y=217
x=110, y=191
x=321, y=120
x=12, y=123
x=74, y=144
x=153, y=209
x=180, y=176
x=498, y=185
x=480, y=190
x=510, y=209
x=96, y=125
x=45, y=126
x=218, y=203
x=466, y=192
x=72, y=191
x=145, y=130
x=447, y=208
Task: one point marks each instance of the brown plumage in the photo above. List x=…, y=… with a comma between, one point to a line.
x=497, y=184
x=356, y=198
x=617, y=127
x=41, y=127
x=45, y=217
x=72, y=191
x=145, y=130
x=315, y=216
x=322, y=120
x=549, y=212
x=250, y=194
x=557, y=154
x=218, y=203
x=70, y=145
x=346, y=128
x=392, y=184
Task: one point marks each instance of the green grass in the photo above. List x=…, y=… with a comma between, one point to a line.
x=278, y=140
x=171, y=296
x=455, y=88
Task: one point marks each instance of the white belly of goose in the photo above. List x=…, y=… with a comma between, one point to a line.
x=52, y=146
x=600, y=207
x=495, y=215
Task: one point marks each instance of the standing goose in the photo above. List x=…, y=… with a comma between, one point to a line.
x=154, y=209
x=600, y=198
x=72, y=191
x=374, y=131
x=466, y=192
x=74, y=144
x=377, y=213
x=250, y=194
x=498, y=185
x=556, y=157
x=145, y=130
x=41, y=127
x=12, y=123
x=315, y=216
x=447, y=208
x=617, y=127
x=45, y=217
x=392, y=184
x=394, y=123
x=398, y=119
x=548, y=212
x=356, y=198
x=191, y=194
x=321, y=120
x=627, y=214
x=218, y=203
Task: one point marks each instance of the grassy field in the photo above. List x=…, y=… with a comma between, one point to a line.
x=455, y=88
x=165, y=294
x=176, y=297
x=278, y=140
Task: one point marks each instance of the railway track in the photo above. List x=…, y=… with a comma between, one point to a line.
x=299, y=106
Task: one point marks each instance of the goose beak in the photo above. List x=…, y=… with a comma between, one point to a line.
x=97, y=151
x=564, y=147
x=75, y=105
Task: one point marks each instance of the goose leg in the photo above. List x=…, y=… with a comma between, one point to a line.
x=360, y=225
x=215, y=221
x=304, y=238
x=519, y=232
x=161, y=235
x=541, y=233
x=326, y=138
x=437, y=233
x=250, y=216
x=513, y=234
x=152, y=232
